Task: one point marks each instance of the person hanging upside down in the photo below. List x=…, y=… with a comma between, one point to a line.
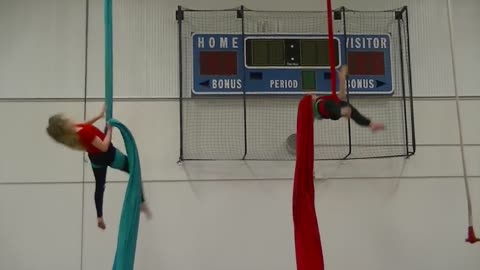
x=101, y=152
x=334, y=106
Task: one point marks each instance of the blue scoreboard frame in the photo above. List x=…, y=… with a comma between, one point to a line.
x=289, y=64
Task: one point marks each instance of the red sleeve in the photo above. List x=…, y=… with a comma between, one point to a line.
x=86, y=134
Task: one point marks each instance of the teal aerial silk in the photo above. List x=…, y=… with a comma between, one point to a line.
x=130, y=217
x=108, y=59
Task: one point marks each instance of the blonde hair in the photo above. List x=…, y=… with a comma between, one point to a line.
x=59, y=131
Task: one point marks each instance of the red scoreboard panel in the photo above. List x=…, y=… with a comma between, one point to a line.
x=218, y=63
x=366, y=63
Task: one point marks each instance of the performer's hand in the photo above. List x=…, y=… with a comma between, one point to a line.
x=108, y=128
x=101, y=223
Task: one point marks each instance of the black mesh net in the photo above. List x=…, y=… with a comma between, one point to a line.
x=212, y=127
x=257, y=127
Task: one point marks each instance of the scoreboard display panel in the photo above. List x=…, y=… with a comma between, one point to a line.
x=229, y=64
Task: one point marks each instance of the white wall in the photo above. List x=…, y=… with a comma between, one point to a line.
x=373, y=214
x=467, y=42
x=145, y=35
x=42, y=48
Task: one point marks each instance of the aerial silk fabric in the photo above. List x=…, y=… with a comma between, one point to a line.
x=130, y=216
x=308, y=247
x=108, y=59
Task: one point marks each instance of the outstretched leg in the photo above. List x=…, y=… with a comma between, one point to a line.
x=342, y=78
x=349, y=111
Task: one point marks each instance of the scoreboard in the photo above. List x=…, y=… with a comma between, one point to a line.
x=228, y=64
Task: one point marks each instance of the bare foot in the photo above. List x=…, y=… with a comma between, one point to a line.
x=376, y=126
x=144, y=208
x=101, y=223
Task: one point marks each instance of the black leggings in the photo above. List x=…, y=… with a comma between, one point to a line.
x=100, y=162
x=356, y=115
x=335, y=111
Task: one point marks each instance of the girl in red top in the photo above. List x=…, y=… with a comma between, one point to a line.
x=101, y=152
x=334, y=107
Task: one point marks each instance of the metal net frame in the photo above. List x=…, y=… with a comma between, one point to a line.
x=259, y=127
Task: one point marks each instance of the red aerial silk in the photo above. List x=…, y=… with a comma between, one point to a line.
x=308, y=246
x=472, y=239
